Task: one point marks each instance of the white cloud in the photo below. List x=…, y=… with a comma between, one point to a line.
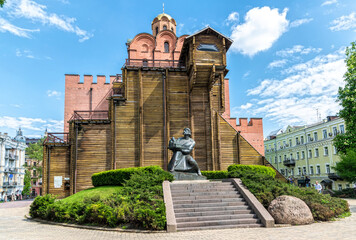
x=24, y=53
x=246, y=106
x=232, y=18
x=246, y=74
x=344, y=23
x=297, y=49
x=329, y=2
x=262, y=27
x=36, y=12
x=299, y=22
x=308, y=86
x=6, y=26
x=53, y=93
x=277, y=63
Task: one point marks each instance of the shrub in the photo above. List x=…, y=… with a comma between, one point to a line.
x=117, y=177
x=254, y=168
x=40, y=204
x=215, y=174
x=346, y=193
x=266, y=189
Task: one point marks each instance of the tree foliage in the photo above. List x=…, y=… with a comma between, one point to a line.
x=346, y=168
x=2, y=3
x=347, y=99
x=35, y=151
x=27, y=183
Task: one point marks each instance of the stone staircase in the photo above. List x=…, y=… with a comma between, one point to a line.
x=210, y=205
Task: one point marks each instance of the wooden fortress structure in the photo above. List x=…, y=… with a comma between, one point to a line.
x=167, y=83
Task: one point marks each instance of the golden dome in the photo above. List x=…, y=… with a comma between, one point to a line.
x=160, y=16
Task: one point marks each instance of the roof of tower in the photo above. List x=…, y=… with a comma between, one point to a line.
x=160, y=16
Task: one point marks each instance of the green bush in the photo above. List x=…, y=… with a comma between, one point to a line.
x=346, y=193
x=266, y=189
x=139, y=203
x=39, y=206
x=117, y=177
x=255, y=168
x=215, y=174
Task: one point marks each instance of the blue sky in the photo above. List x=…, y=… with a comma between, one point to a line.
x=286, y=63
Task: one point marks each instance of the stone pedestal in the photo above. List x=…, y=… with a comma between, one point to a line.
x=178, y=176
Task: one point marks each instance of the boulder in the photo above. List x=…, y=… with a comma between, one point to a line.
x=290, y=210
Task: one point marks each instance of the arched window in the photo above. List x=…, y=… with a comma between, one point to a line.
x=156, y=30
x=166, y=47
x=164, y=27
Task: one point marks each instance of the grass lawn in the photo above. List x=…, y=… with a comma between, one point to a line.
x=103, y=192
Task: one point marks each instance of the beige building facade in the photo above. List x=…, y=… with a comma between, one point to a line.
x=301, y=151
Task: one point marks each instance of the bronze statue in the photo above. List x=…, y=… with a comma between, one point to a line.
x=181, y=160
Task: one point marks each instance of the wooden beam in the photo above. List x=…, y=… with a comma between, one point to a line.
x=140, y=122
x=224, y=52
x=238, y=142
x=218, y=139
x=167, y=126
x=222, y=93
x=212, y=132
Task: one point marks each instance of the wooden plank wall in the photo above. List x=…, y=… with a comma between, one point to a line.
x=248, y=155
x=229, y=145
x=126, y=117
x=93, y=153
x=206, y=56
x=58, y=166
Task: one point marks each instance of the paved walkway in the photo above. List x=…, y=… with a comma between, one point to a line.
x=13, y=225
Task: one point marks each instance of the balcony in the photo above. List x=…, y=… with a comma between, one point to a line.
x=90, y=115
x=118, y=89
x=60, y=138
x=334, y=176
x=150, y=63
x=289, y=162
x=9, y=184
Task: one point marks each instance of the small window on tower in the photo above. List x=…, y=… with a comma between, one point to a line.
x=166, y=47
x=208, y=47
x=164, y=27
x=156, y=30
x=172, y=29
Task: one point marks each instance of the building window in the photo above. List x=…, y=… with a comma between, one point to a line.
x=308, y=137
x=285, y=157
x=339, y=187
x=166, y=47
x=286, y=172
x=326, y=151
x=144, y=62
x=280, y=159
x=347, y=185
x=299, y=171
x=310, y=153
x=297, y=155
x=172, y=29
x=301, y=139
x=164, y=27
x=34, y=173
x=275, y=159
x=291, y=156
x=304, y=170
x=311, y=170
x=303, y=154
x=290, y=142
x=208, y=47
x=327, y=166
x=284, y=143
x=282, y=171
x=342, y=129
x=318, y=169
x=292, y=172
x=156, y=30
x=335, y=150
x=325, y=134
x=316, y=150
x=296, y=141
x=315, y=136
x=334, y=131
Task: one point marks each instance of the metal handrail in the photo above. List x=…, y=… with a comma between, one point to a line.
x=90, y=115
x=56, y=138
x=154, y=63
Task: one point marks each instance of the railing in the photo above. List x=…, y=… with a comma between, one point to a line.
x=118, y=89
x=118, y=78
x=9, y=184
x=289, y=162
x=90, y=115
x=56, y=138
x=154, y=63
x=334, y=176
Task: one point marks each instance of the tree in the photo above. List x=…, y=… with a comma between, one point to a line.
x=346, y=168
x=347, y=99
x=2, y=3
x=27, y=183
x=35, y=151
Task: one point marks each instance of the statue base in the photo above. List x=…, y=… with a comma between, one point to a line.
x=178, y=176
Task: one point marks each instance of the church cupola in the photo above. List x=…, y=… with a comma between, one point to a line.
x=163, y=22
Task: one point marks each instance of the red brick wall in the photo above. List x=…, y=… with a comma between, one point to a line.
x=77, y=95
x=252, y=131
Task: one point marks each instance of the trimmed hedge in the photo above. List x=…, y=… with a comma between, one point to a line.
x=255, y=168
x=215, y=174
x=118, y=177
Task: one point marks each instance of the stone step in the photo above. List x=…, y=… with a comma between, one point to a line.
x=209, y=209
x=213, y=200
x=218, y=222
x=197, y=197
x=255, y=225
x=182, y=194
x=200, y=185
x=204, y=189
x=213, y=213
x=215, y=218
x=203, y=205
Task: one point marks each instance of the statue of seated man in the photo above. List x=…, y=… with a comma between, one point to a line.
x=181, y=160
